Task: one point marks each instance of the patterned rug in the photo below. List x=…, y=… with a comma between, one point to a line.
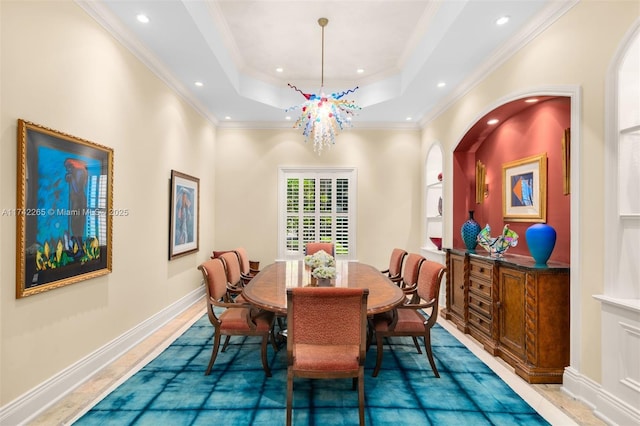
x=173, y=390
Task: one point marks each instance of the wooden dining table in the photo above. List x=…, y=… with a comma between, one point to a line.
x=268, y=289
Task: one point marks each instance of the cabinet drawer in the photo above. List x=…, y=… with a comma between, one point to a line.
x=480, y=305
x=480, y=322
x=481, y=270
x=480, y=287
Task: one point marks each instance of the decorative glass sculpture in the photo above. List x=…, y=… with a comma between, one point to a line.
x=497, y=246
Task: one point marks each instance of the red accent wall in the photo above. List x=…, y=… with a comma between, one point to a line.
x=533, y=131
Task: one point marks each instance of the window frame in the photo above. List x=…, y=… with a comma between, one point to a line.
x=285, y=173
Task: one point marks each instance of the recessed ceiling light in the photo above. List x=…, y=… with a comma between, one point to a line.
x=408, y=118
x=287, y=118
x=502, y=20
x=360, y=70
x=141, y=17
x=531, y=100
x=492, y=121
x=227, y=117
x=199, y=83
x=442, y=84
x=279, y=69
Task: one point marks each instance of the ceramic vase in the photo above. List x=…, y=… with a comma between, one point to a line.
x=470, y=230
x=324, y=282
x=541, y=239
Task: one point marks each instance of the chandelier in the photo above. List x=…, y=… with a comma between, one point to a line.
x=323, y=117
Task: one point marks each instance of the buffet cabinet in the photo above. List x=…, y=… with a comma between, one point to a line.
x=518, y=311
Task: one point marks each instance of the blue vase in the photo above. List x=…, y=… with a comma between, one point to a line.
x=470, y=230
x=541, y=239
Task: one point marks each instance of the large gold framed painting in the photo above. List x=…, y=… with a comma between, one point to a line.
x=63, y=211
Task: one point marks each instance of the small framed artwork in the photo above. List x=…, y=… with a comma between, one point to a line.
x=566, y=162
x=481, y=176
x=185, y=215
x=63, y=211
x=524, y=189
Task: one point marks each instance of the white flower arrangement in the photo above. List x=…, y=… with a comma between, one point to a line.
x=318, y=259
x=324, y=272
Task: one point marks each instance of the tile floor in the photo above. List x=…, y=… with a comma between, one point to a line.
x=549, y=400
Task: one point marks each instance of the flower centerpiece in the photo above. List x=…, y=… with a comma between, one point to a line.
x=322, y=265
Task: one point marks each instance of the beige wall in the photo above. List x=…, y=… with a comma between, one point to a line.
x=576, y=50
x=60, y=69
x=389, y=187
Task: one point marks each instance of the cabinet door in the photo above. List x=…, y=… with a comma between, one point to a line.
x=511, y=312
x=456, y=289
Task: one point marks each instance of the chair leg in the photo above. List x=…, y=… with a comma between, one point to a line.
x=226, y=343
x=378, y=355
x=289, y=396
x=415, y=342
x=360, y=381
x=272, y=337
x=265, y=363
x=214, y=352
x=427, y=347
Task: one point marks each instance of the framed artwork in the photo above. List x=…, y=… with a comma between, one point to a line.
x=566, y=162
x=481, y=176
x=63, y=211
x=185, y=216
x=524, y=189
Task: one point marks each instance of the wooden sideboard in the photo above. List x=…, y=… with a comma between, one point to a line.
x=517, y=310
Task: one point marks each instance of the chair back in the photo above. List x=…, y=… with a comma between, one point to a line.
x=395, y=262
x=327, y=316
x=215, y=282
x=429, y=280
x=232, y=267
x=411, y=269
x=315, y=247
x=243, y=257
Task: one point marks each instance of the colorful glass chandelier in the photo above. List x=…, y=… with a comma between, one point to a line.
x=323, y=117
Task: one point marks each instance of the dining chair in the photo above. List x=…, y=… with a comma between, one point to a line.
x=233, y=272
x=410, y=270
x=236, y=319
x=394, y=271
x=409, y=319
x=326, y=339
x=314, y=247
x=246, y=270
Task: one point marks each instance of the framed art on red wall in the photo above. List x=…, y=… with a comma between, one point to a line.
x=524, y=189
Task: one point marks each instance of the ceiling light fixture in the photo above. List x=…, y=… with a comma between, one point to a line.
x=141, y=17
x=323, y=117
x=502, y=20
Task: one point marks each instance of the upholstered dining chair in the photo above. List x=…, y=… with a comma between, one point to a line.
x=237, y=319
x=410, y=270
x=314, y=247
x=326, y=337
x=394, y=271
x=231, y=263
x=409, y=319
x=246, y=270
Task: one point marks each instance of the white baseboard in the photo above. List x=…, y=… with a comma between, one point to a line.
x=38, y=399
x=606, y=406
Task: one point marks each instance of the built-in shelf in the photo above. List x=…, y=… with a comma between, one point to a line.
x=434, y=203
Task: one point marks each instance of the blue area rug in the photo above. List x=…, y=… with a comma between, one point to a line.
x=173, y=390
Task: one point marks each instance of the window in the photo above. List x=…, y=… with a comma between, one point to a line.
x=316, y=205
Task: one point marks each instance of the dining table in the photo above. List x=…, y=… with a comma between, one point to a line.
x=268, y=289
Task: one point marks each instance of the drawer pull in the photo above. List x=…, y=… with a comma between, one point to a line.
x=461, y=287
x=480, y=303
x=481, y=270
x=480, y=286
